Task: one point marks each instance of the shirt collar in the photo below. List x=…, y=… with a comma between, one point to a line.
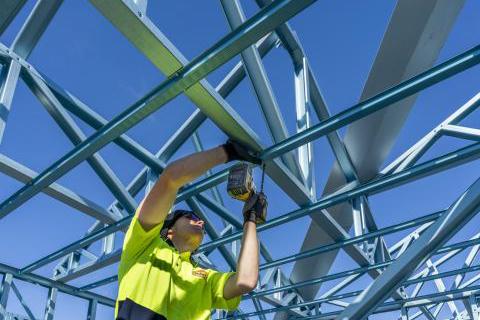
x=185, y=256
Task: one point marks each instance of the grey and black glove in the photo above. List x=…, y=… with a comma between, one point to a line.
x=255, y=209
x=238, y=151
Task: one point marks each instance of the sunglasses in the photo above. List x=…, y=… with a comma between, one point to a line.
x=192, y=216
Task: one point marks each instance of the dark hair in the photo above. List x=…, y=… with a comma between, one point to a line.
x=171, y=219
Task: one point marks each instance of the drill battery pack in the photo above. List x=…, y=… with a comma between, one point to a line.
x=240, y=184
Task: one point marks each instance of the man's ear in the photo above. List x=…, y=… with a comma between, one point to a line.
x=169, y=234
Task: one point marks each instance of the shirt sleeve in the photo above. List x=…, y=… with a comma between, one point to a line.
x=137, y=239
x=217, y=282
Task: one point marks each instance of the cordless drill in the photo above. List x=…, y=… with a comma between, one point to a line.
x=240, y=186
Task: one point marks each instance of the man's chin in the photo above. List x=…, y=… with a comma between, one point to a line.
x=197, y=233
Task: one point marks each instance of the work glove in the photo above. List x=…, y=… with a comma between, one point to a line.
x=255, y=209
x=238, y=151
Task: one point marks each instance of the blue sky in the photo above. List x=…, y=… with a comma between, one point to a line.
x=86, y=55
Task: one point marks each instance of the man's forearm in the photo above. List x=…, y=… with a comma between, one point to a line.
x=246, y=276
x=187, y=169
x=247, y=265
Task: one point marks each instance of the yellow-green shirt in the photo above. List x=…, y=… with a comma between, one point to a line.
x=156, y=282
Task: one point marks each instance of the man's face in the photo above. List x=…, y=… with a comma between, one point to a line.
x=190, y=228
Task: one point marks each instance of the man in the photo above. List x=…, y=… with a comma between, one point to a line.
x=156, y=277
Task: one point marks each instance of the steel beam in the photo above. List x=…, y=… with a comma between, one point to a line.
x=10, y=8
x=36, y=24
x=93, y=119
x=8, y=82
x=81, y=110
x=378, y=102
x=141, y=5
x=225, y=49
x=436, y=235
x=261, y=85
x=292, y=45
x=311, y=90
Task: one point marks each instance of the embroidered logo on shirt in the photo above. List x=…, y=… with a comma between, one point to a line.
x=200, y=273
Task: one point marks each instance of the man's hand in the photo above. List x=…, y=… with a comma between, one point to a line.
x=238, y=151
x=255, y=209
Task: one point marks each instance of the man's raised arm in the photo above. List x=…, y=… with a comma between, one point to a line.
x=245, y=278
x=155, y=206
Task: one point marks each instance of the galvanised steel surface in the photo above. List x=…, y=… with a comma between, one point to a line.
x=393, y=268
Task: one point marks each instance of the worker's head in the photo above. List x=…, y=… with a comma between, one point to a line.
x=183, y=228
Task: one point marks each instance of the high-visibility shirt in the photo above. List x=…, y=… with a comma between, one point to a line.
x=157, y=282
